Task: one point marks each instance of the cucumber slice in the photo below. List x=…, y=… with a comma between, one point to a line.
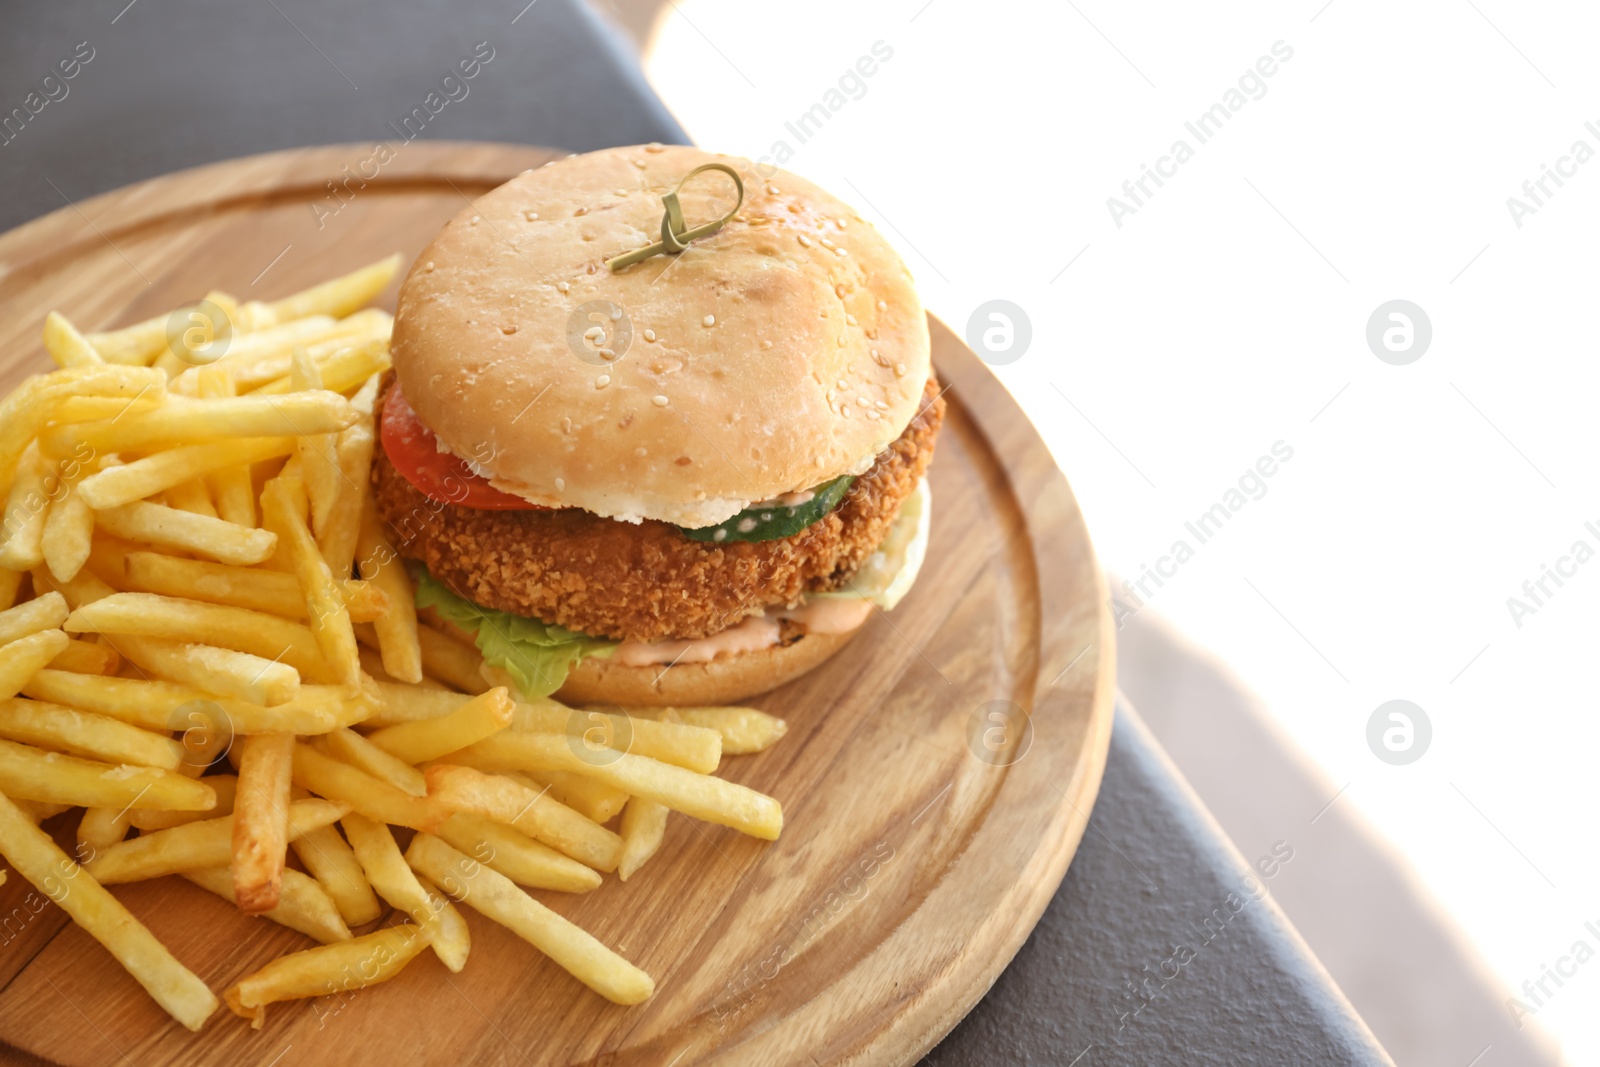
x=770, y=523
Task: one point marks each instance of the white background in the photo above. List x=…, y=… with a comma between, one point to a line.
x=1230, y=312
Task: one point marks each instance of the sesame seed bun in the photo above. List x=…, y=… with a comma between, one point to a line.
x=781, y=352
x=719, y=681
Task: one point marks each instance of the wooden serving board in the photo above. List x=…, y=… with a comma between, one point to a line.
x=928, y=821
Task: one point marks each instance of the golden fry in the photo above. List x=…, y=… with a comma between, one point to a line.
x=303, y=904
x=166, y=527
x=326, y=970
x=334, y=865
x=336, y=780
x=394, y=881
x=53, y=873
x=156, y=473
x=282, y=504
x=429, y=739
x=21, y=659
x=224, y=785
x=261, y=821
x=29, y=773
x=493, y=895
x=45, y=612
x=597, y=734
x=702, y=796
x=534, y=813
x=516, y=855
x=395, y=633
x=81, y=733
x=644, y=823
x=358, y=751
x=195, y=845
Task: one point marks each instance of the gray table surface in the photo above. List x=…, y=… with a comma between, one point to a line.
x=1159, y=947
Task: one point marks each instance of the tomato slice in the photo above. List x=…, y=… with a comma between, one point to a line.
x=414, y=451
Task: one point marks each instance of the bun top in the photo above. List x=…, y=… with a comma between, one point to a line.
x=776, y=354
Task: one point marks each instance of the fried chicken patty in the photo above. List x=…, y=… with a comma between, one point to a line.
x=647, y=581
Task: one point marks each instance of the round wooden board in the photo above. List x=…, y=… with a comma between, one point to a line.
x=927, y=824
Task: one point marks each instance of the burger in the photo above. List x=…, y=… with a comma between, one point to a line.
x=642, y=458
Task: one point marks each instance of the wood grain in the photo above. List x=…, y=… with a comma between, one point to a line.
x=922, y=837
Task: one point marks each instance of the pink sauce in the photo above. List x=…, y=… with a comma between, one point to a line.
x=823, y=616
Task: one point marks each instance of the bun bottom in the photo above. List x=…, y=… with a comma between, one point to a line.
x=720, y=681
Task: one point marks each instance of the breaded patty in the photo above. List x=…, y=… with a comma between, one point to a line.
x=647, y=581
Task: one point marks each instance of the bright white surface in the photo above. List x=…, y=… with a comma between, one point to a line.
x=1177, y=349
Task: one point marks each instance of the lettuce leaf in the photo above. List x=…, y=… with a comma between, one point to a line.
x=537, y=655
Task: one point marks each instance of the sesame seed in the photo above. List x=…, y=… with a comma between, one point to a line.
x=794, y=209
x=602, y=381
x=531, y=216
x=700, y=495
x=654, y=146
x=509, y=328
x=841, y=340
x=475, y=218
x=659, y=401
x=766, y=344
x=561, y=483
x=883, y=305
x=708, y=321
x=581, y=211
x=641, y=451
x=639, y=163
x=429, y=267
x=872, y=415
x=851, y=319
x=563, y=287
x=594, y=333
x=863, y=401
x=720, y=535
x=899, y=370
x=843, y=384
x=622, y=192
x=566, y=424
x=649, y=335
x=826, y=243
x=881, y=406
x=805, y=241
x=841, y=224
x=772, y=190
x=841, y=251
x=607, y=354
x=845, y=410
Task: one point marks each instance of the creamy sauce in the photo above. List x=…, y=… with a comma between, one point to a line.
x=757, y=632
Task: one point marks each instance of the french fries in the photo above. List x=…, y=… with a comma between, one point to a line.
x=192, y=567
x=255, y=633
x=164, y=527
x=493, y=895
x=21, y=659
x=359, y=751
x=336, y=780
x=51, y=871
x=261, y=821
x=395, y=634
x=29, y=773
x=212, y=421
x=275, y=592
x=598, y=734
x=303, y=904
x=710, y=799
x=195, y=845
x=157, y=473
x=66, y=345
x=224, y=785
x=534, y=813
x=335, y=867
x=516, y=855
x=428, y=739
x=282, y=503
x=644, y=823
x=85, y=734
x=45, y=612
x=341, y=967
x=396, y=883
